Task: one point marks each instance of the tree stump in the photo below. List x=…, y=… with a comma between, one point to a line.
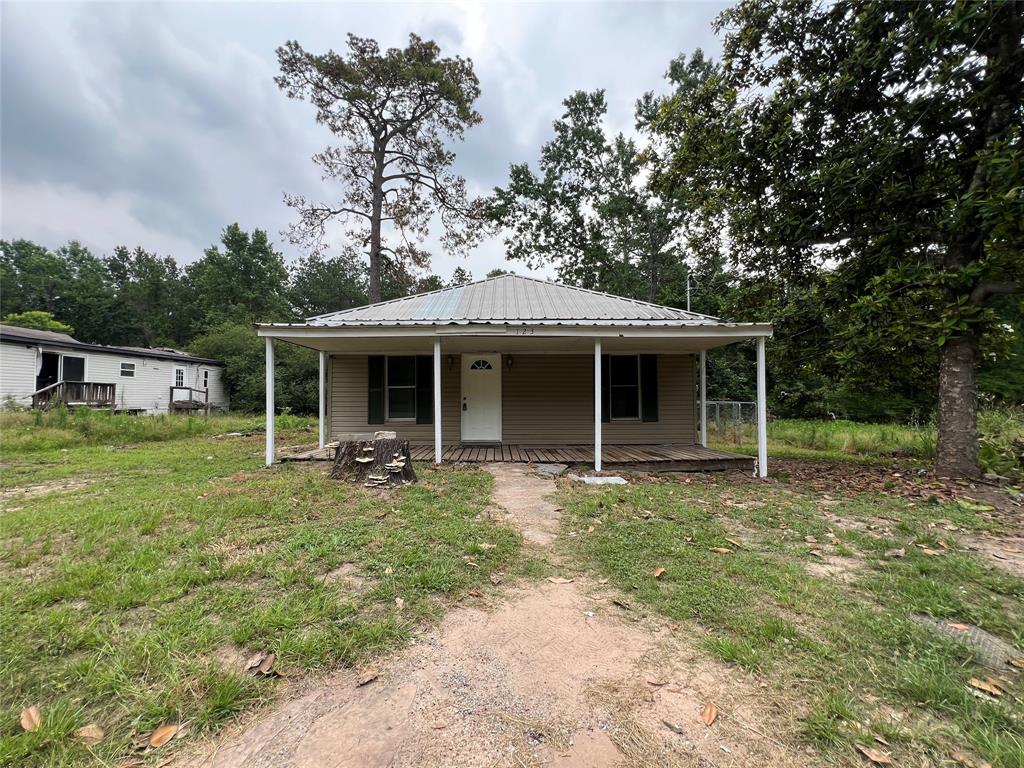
x=382, y=462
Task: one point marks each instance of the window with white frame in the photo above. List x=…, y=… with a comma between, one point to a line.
x=401, y=388
x=624, y=387
x=179, y=377
x=128, y=370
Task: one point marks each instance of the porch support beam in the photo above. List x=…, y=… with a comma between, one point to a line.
x=703, y=398
x=597, y=405
x=270, y=401
x=762, y=413
x=323, y=399
x=437, y=401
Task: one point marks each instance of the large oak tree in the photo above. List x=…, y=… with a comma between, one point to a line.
x=393, y=114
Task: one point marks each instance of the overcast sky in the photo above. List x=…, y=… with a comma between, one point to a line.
x=159, y=124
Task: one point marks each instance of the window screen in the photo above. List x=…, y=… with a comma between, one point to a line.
x=401, y=386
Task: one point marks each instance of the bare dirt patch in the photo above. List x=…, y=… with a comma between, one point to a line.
x=555, y=675
x=551, y=677
x=20, y=492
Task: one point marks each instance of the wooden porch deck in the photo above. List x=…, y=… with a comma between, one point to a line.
x=686, y=457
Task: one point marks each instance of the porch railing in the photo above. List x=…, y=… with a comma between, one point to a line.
x=91, y=394
x=190, y=399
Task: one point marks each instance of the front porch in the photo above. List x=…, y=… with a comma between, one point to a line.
x=685, y=458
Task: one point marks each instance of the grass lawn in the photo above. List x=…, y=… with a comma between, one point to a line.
x=833, y=634
x=137, y=573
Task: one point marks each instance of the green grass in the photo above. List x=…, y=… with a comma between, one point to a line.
x=1002, y=442
x=840, y=648
x=120, y=599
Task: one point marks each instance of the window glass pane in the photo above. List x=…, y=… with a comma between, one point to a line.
x=401, y=371
x=401, y=402
x=74, y=368
x=128, y=369
x=179, y=377
x=625, y=402
x=623, y=370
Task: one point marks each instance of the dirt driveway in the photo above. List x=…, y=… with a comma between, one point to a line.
x=555, y=674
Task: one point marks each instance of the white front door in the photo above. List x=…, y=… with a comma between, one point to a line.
x=481, y=398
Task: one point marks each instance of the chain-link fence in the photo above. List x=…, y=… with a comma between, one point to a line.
x=731, y=421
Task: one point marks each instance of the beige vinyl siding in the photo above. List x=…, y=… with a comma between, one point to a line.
x=347, y=405
x=549, y=400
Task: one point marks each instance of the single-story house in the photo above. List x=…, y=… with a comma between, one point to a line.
x=38, y=368
x=496, y=367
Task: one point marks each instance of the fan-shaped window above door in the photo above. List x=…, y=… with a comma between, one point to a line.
x=480, y=365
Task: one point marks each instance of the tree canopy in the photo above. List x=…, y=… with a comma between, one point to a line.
x=393, y=114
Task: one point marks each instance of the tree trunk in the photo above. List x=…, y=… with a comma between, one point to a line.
x=379, y=463
x=957, y=453
x=373, y=292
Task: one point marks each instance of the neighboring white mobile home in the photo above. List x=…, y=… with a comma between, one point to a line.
x=40, y=366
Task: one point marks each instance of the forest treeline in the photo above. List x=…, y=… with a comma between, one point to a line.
x=135, y=297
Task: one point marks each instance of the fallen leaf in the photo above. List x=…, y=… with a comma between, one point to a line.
x=475, y=593
x=254, y=661
x=721, y=550
x=602, y=581
x=930, y=552
x=882, y=741
x=735, y=543
x=960, y=627
x=559, y=580
x=388, y=571
x=988, y=685
x=816, y=553
x=366, y=677
x=709, y=714
x=964, y=759
x=497, y=578
x=31, y=718
x=622, y=603
x=901, y=552
x=876, y=756
x=810, y=540
x=162, y=735
x=485, y=545
x=91, y=734
x=659, y=572
x=399, y=603
x=266, y=665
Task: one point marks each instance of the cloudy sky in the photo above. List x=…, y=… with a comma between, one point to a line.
x=158, y=124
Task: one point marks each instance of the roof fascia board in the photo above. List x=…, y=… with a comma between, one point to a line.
x=724, y=330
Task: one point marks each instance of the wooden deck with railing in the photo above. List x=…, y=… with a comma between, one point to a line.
x=91, y=394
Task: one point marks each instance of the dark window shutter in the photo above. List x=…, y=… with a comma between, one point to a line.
x=375, y=395
x=649, y=387
x=606, y=397
x=424, y=389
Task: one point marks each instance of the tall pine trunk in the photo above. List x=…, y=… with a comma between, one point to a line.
x=373, y=292
x=957, y=452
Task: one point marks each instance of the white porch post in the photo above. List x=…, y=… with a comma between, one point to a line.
x=597, y=405
x=323, y=399
x=762, y=412
x=437, y=402
x=703, y=400
x=270, y=401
